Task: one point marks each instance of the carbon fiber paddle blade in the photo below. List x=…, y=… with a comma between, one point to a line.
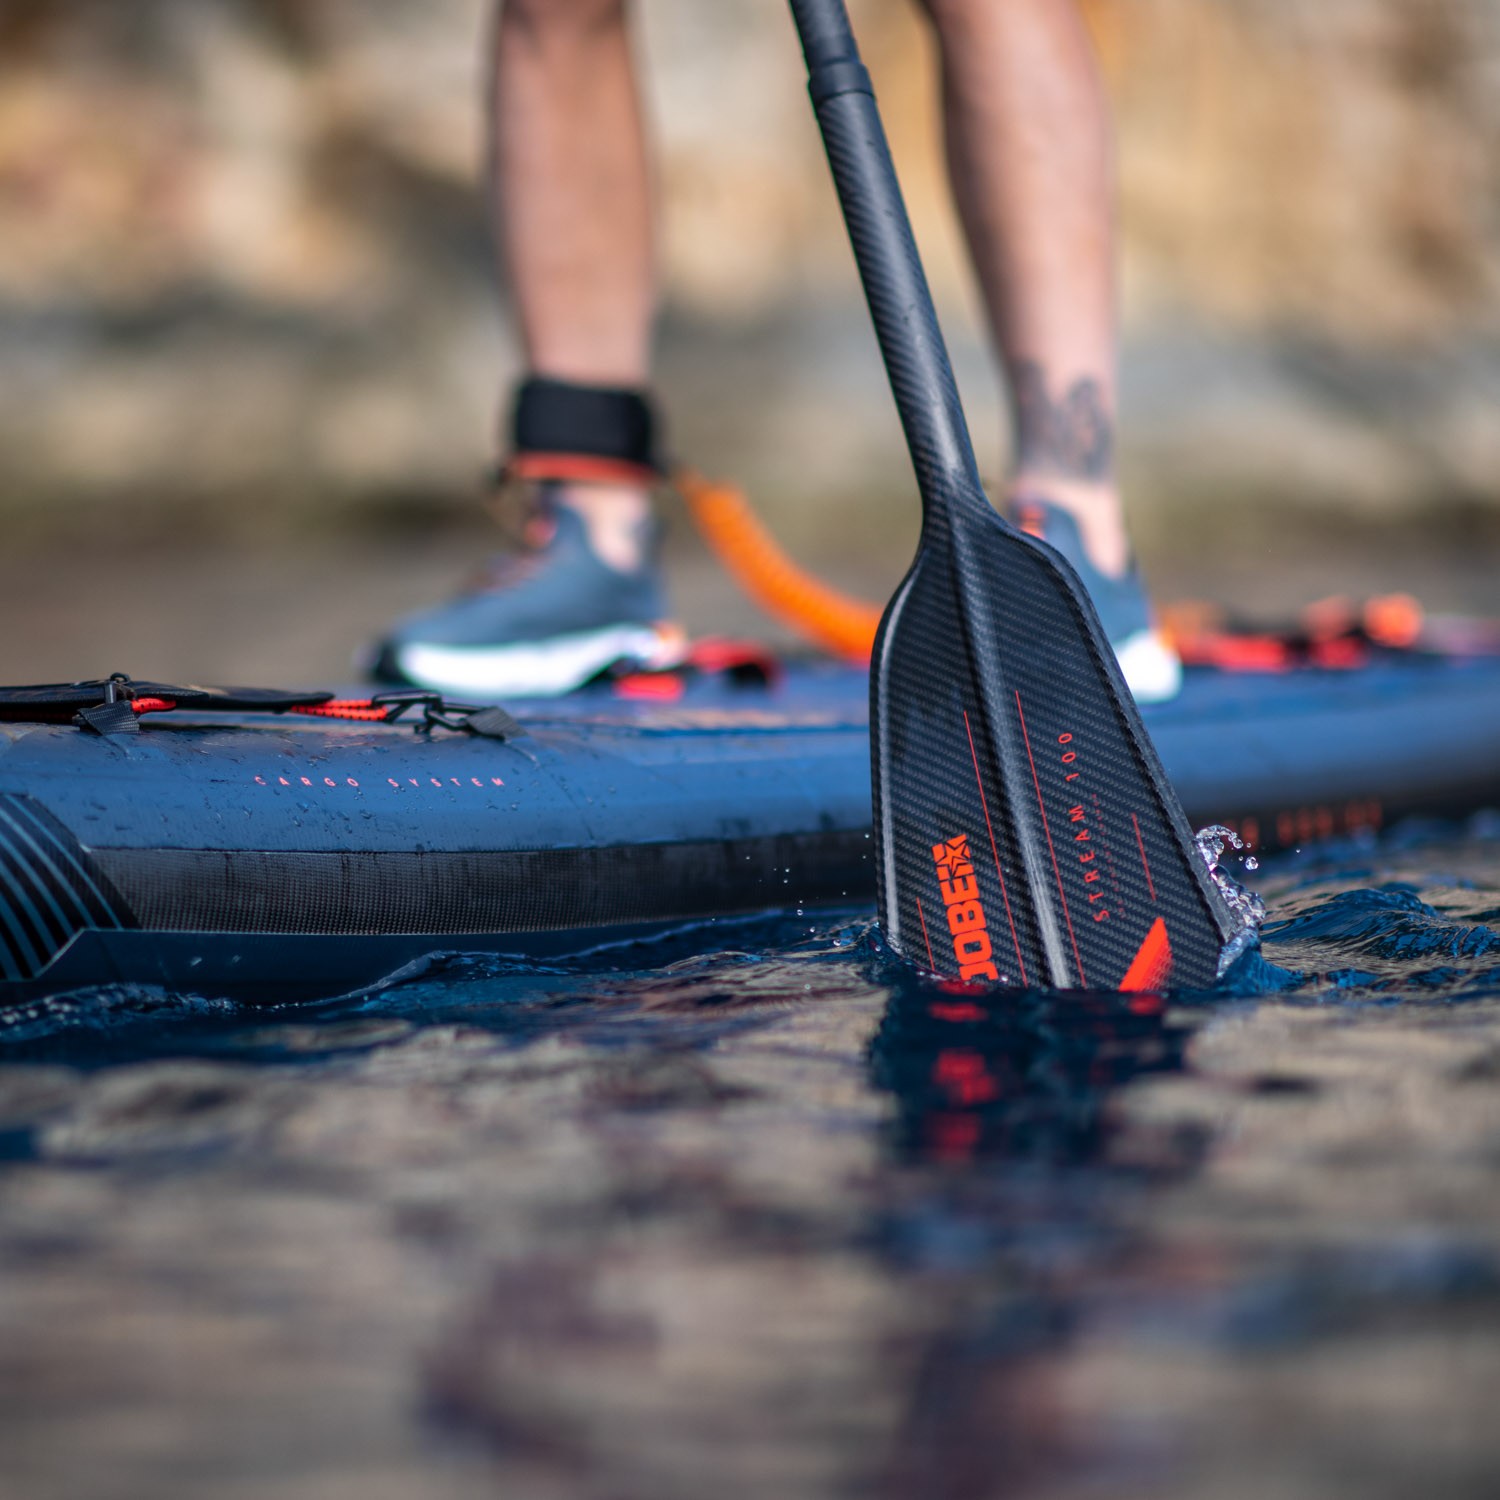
x=1027, y=833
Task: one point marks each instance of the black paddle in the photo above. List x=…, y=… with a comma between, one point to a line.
x=1025, y=831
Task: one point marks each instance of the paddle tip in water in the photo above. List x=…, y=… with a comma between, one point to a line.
x=1027, y=833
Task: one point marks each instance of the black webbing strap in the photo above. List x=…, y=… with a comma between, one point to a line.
x=594, y=421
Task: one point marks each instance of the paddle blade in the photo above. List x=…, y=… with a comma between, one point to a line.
x=1026, y=832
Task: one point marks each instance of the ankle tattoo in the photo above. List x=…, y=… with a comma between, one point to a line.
x=1072, y=437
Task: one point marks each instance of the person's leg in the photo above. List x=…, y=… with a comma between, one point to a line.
x=573, y=227
x=573, y=216
x=1030, y=157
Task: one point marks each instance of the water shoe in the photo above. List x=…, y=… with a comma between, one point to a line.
x=540, y=622
x=1151, y=667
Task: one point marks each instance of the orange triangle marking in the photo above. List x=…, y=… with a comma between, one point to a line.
x=1152, y=963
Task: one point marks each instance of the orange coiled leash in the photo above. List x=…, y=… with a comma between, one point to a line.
x=839, y=623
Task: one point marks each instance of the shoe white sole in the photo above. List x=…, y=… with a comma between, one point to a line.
x=1153, y=672
x=539, y=669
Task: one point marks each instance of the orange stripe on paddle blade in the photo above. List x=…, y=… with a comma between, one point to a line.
x=1152, y=963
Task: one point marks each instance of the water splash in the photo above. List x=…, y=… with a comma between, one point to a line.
x=1248, y=910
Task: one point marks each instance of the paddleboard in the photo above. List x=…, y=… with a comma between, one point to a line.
x=256, y=854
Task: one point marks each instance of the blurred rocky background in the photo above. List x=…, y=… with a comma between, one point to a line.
x=251, y=319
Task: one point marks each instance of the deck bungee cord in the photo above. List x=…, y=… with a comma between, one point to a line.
x=116, y=704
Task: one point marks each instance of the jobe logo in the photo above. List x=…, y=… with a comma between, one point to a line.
x=960, y=888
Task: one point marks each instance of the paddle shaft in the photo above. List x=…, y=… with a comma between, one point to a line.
x=906, y=325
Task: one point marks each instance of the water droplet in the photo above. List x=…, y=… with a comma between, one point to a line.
x=1248, y=910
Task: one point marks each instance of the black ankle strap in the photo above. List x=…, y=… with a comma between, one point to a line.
x=561, y=419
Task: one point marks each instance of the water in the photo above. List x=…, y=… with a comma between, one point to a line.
x=779, y=1221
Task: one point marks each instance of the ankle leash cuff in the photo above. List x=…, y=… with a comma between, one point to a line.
x=563, y=430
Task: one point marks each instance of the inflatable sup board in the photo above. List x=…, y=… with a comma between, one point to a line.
x=228, y=843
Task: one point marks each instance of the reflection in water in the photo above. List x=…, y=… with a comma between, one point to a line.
x=1004, y=1127
x=985, y=1076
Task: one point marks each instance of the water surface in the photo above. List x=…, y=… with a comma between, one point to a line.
x=778, y=1220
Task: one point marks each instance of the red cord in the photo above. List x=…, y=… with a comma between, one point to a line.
x=362, y=709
